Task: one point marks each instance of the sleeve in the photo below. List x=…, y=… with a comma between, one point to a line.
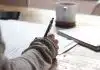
x=39, y=56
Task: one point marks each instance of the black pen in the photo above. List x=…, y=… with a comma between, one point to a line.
x=49, y=27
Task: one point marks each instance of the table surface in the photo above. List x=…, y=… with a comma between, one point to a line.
x=80, y=53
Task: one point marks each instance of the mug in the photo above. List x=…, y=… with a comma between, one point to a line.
x=65, y=14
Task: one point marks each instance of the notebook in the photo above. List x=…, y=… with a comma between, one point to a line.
x=18, y=35
x=87, y=36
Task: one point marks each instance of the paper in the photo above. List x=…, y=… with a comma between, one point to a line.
x=87, y=34
x=71, y=62
x=18, y=36
x=83, y=51
x=64, y=44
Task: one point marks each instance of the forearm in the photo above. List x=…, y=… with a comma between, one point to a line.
x=38, y=56
x=41, y=51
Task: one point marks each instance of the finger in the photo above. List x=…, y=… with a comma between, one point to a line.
x=57, y=47
x=56, y=44
x=56, y=41
x=51, y=36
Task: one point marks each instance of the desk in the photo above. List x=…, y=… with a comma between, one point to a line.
x=82, y=55
x=86, y=20
x=77, y=54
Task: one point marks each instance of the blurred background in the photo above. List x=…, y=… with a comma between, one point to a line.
x=84, y=6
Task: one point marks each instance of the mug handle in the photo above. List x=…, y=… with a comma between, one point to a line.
x=65, y=8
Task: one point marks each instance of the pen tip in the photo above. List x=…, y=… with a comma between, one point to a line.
x=52, y=18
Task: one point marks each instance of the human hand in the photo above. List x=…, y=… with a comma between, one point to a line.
x=55, y=41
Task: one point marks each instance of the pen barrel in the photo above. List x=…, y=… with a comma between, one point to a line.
x=49, y=28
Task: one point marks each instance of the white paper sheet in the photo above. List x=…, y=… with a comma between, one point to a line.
x=64, y=44
x=87, y=34
x=72, y=62
x=18, y=35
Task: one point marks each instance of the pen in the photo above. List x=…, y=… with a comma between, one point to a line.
x=49, y=27
x=69, y=49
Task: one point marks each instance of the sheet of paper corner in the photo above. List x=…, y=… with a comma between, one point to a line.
x=64, y=44
x=19, y=34
x=77, y=62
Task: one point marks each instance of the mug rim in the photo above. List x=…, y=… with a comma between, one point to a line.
x=64, y=3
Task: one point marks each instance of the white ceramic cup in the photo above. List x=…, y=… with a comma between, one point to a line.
x=66, y=11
